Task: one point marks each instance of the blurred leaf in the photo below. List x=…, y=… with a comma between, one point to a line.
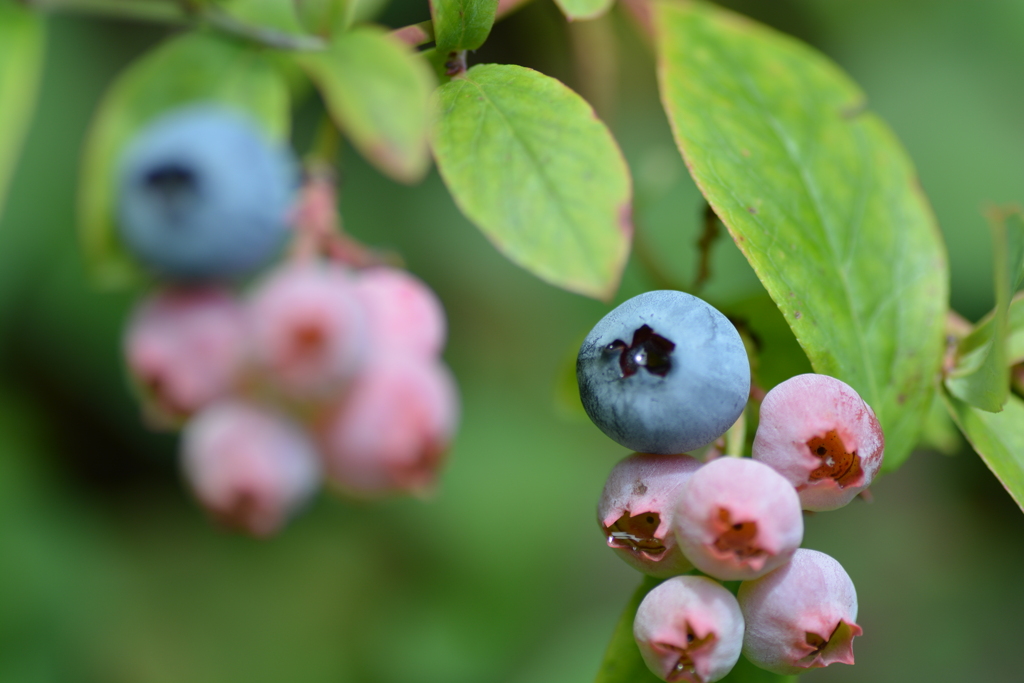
x=997, y=437
x=364, y=10
x=527, y=161
x=567, y=388
x=322, y=17
x=980, y=376
x=281, y=15
x=462, y=24
x=820, y=198
x=940, y=433
x=623, y=663
x=1014, y=329
x=583, y=9
x=22, y=46
x=190, y=68
x=1015, y=332
x=378, y=92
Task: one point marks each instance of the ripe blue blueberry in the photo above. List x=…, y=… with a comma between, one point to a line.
x=663, y=373
x=202, y=194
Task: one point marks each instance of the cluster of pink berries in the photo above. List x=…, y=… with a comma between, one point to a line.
x=817, y=446
x=318, y=371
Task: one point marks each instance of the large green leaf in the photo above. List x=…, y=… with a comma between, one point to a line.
x=980, y=376
x=191, y=68
x=584, y=9
x=820, y=198
x=378, y=92
x=997, y=437
x=462, y=24
x=22, y=44
x=528, y=162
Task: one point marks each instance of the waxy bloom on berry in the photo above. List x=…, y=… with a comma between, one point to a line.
x=248, y=466
x=636, y=510
x=689, y=628
x=820, y=435
x=392, y=429
x=738, y=519
x=308, y=330
x=185, y=348
x=404, y=316
x=801, y=616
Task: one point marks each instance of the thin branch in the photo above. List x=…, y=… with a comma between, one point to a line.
x=712, y=229
x=183, y=13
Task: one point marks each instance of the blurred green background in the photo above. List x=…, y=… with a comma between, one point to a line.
x=110, y=573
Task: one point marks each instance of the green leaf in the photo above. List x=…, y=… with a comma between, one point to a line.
x=997, y=437
x=566, y=388
x=191, y=68
x=980, y=376
x=462, y=24
x=323, y=17
x=1015, y=337
x=527, y=161
x=820, y=198
x=623, y=664
x=622, y=661
x=281, y=15
x=584, y=9
x=22, y=46
x=378, y=92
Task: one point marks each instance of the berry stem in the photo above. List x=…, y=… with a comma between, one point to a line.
x=712, y=230
x=736, y=437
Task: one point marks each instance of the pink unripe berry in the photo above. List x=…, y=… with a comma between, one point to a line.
x=820, y=435
x=186, y=348
x=308, y=329
x=737, y=518
x=801, y=616
x=248, y=466
x=689, y=628
x=403, y=314
x=636, y=510
x=392, y=429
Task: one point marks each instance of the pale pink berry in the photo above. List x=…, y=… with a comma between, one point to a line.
x=801, y=616
x=403, y=314
x=392, y=429
x=308, y=329
x=636, y=509
x=689, y=628
x=820, y=435
x=250, y=467
x=737, y=518
x=185, y=348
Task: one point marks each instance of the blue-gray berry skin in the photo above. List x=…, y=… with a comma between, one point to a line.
x=203, y=195
x=663, y=373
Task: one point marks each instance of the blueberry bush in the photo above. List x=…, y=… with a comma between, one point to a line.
x=666, y=148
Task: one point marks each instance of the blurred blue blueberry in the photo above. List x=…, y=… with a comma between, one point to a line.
x=663, y=373
x=202, y=194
